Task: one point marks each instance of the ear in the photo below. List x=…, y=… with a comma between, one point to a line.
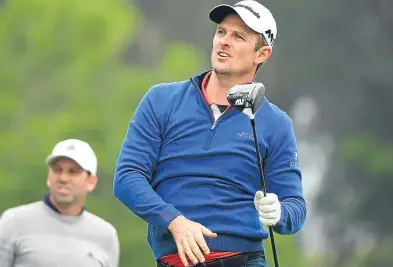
x=92, y=183
x=263, y=54
x=47, y=180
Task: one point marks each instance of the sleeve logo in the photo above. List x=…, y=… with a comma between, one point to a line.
x=295, y=162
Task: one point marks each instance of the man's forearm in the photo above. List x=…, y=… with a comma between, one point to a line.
x=135, y=192
x=293, y=216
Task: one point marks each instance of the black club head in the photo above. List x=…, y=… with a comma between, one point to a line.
x=246, y=98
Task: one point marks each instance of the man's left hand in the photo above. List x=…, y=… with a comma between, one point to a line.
x=268, y=207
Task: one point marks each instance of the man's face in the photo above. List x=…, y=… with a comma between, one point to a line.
x=233, y=50
x=69, y=183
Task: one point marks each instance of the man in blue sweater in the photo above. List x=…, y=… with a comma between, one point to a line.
x=188, y=166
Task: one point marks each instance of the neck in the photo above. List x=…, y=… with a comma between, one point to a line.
x=68, y=209
x=218, y=86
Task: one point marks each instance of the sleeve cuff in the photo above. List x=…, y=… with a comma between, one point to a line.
x=280, y=225
x=168, y=216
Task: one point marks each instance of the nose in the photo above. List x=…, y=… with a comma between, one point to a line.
x=63, y=177
x=224, y=41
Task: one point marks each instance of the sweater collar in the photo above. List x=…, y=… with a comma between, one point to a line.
x=198, y=79
x=52, y=206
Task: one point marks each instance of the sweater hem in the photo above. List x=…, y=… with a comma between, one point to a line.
x=220, y=243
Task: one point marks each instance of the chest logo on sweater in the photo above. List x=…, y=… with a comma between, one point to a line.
x=245, y=135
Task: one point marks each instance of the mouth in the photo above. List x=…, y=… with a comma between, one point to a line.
x=63, y=190
x=222, y=54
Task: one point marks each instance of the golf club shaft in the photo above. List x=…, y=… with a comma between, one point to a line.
x=264, y=191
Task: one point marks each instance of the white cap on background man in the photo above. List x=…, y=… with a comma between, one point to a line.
x=77, y=150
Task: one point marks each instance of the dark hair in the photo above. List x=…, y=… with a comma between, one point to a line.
x=260, y=43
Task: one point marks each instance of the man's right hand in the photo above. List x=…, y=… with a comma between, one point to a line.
x=189, y=239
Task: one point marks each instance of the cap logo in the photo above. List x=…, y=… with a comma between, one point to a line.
x=70, y=147
x=270, y=35
x=249, y=9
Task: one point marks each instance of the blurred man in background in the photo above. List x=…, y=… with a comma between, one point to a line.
x=188, y=165
x=58, y=231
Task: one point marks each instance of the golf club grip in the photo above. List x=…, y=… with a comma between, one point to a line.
x=271, y=233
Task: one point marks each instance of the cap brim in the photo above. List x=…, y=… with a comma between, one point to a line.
x=218, y=13
x=53, y=157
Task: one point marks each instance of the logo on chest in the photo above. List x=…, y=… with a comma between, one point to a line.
x=246, y=135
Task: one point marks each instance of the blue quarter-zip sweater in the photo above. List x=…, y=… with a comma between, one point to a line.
x=176, y=160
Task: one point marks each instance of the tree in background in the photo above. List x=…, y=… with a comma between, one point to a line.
x=63, y=75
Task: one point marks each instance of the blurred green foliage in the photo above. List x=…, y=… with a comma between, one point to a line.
x=288, y=252
x=366, y=151
x=361, y=202
x=62, y=75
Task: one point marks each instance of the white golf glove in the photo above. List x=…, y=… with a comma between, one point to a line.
x=269, y=208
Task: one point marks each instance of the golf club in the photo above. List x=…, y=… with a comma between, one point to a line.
x=247, y=98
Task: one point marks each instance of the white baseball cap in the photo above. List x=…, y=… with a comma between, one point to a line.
x=254, y=15
x=77, y=150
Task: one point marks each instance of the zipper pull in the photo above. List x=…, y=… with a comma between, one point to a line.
x=213, y=126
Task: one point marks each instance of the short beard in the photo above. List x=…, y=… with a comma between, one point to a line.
x=64, y=201
x=223, y=73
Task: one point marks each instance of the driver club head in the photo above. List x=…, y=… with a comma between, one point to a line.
x=246, y=98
